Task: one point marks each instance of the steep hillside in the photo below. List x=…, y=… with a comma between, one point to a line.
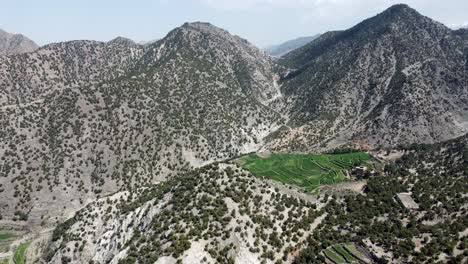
x=189, y=99
x=290, y=45
x=396, y=78
x=15, y=44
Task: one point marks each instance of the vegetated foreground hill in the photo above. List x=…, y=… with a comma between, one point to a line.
x=15, y=44
x=223, y=214
x=187, y=100
x=436, y=176
x=216, y=214
x=396, y=78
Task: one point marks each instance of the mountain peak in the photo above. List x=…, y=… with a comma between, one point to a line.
x=396, y=17
x=190, y=32
x=122, y=40
x=400, y=7
x=205, y=27
x=15, y=43
x=199, y=24
x=401, y=10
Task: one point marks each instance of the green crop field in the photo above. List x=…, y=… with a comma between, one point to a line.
x=344, y=254
x=347, y=256
x=350, y=247
x=308, y=171
x=5, y=236
x=19, y=257
x=334, y=256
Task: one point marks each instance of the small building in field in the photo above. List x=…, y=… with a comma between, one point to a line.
x=407, y=201
x=360, y=171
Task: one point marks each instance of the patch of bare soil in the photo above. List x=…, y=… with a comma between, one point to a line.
x=343, y=188
x=264, y=155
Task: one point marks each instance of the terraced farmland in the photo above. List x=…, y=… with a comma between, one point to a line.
x=308, y=171
x=5, y=236
x=345, y=253
x=19, y=257
x=5, y=240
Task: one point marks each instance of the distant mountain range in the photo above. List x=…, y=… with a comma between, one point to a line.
x=15, y=44
x=288, y=46
x=147, y=42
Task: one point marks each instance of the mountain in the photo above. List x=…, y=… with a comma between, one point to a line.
x=116, y=152
x=396, y=78
x=84, y=119
x=290, y=45
x=15, y=44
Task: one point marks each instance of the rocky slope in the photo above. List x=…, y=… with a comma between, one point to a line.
x=290, y=45
x=102, y=117
x=396, y=78
x=15, y=44
x=216, y=214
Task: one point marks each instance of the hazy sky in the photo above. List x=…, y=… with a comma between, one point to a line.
x=262, y=22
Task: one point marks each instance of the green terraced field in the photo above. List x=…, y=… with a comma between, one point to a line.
x=334, y=256
x=19, y=257
x=340, y=250
x=5, y=236
x=308, y=171
x=346, y=253
x=350, y=247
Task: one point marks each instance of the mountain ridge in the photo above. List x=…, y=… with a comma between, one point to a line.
x=377, y=65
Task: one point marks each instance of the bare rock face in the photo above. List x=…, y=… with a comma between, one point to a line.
x=396, y=78
x=15, y=44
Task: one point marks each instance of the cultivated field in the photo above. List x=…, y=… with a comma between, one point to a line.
x=19, y=257
x=308, y=171
x=5, y=239
x=345, y=253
